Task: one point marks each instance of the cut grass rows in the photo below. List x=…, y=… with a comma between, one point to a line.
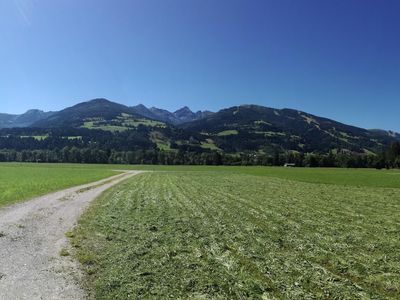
x=220, y=235
x=348, y=177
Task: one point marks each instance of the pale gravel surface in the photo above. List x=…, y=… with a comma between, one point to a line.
x=32, y=234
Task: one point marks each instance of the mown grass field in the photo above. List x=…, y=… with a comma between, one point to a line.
x=23, y=181
x=244, y=233
x=347, y=177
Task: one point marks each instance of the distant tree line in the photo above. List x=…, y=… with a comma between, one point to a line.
x=79, y=145
x=72, y=154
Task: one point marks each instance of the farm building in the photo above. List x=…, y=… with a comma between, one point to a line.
x=289, y=165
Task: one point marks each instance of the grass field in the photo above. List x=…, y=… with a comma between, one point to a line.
x=24, y=181
x=348, y=177
x=244, y=233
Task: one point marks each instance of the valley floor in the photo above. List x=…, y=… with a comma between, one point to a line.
x=199, y=232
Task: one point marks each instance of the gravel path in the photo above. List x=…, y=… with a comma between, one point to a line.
x=32, y=234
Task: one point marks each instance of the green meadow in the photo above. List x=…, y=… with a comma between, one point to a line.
x=24, y=181
x=244, y=233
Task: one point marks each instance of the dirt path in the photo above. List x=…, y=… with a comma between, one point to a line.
x=32, y=234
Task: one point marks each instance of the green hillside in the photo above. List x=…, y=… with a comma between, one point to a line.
x=257, y=128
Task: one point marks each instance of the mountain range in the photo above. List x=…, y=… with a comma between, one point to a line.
x=97, y=108
x=23, y=120
x=180, y=116
x=238, y=129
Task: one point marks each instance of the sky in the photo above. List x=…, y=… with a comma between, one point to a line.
x=334, y=58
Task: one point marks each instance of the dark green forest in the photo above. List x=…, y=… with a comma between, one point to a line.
x=79, y=145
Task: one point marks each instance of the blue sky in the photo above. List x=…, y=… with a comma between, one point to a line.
x=338, y=59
